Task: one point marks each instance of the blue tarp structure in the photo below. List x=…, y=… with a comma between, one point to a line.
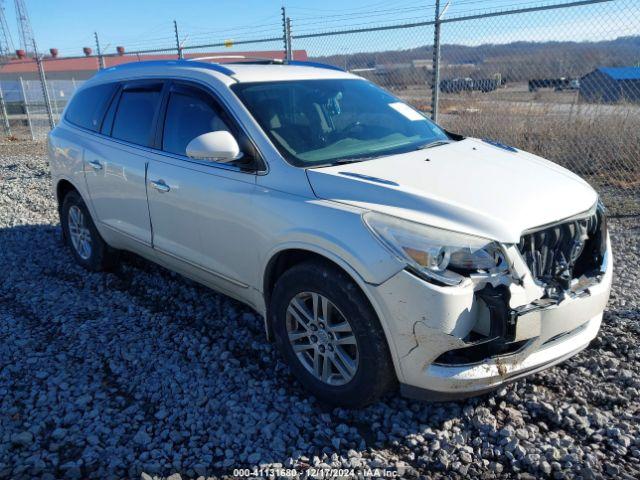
x=611, y=85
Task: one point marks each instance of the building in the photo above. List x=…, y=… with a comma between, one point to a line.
x=82, y=68
x=423, y=63
x=611, y=85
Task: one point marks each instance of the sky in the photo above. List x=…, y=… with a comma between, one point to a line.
x=139, y=24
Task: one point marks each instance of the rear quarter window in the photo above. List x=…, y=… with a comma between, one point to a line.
x=87, y=107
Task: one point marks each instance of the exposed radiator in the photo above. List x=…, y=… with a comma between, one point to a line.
x=559, y=253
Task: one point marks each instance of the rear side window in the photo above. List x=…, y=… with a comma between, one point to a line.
x=187, y=117
x=135, y=114
x=88, y=106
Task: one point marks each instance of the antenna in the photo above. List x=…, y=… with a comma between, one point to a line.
x=6, y=43
x=24, y=26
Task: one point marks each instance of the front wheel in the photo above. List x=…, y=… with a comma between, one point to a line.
x=330, y=336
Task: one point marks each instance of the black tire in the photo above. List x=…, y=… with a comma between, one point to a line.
x=375, y=375
x=102, y=257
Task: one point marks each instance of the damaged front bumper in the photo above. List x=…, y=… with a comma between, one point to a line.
x=454, y=342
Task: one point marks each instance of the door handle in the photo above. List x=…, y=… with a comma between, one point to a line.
x=160, y=186
x=95, y=164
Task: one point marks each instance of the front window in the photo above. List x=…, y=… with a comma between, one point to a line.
x=324, y=122
x=188, y=116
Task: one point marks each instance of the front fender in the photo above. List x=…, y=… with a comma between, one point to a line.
x=333, y=254
x=321, y=245
x=355, y=251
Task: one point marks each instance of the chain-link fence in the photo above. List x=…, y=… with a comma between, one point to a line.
x=553, y=99
x=23, y=106
x=561, y=80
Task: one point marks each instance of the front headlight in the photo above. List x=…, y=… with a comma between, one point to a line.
x=441, y=255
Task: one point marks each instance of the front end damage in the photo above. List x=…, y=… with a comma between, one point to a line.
x=458, y=341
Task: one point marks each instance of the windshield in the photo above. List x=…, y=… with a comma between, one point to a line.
x=323, y=122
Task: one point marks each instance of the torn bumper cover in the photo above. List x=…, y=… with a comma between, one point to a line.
x=457, y=342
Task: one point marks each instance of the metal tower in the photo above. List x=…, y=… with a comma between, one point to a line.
x=6, y=44
x=24, y=26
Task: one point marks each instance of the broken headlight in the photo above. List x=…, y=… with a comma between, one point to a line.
x=435, y=254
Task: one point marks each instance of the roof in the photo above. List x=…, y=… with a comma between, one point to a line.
x=228, y=73
x=90, y=64
x=269, y=73
x=621, y=73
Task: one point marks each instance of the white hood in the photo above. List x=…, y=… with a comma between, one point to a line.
x=468, y=186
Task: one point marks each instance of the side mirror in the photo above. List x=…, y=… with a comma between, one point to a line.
x=217, y=146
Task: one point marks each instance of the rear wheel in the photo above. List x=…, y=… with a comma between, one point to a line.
x=86, y=244
x=330, y=336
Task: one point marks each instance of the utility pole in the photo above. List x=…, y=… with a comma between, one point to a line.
x=175, y=29
x=284, y=34
x=43, y=83
x=24, y=25
x=99, y=52
x=6, y=44
x=289, y=49
x=435, y=87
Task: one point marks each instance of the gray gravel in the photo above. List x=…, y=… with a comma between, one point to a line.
x=141, y=373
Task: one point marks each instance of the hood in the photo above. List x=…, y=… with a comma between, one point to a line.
x=468, y=186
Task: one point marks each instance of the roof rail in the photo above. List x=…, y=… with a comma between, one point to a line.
x=269, y=61
x=160, y=63
x=218, y=67
x=304, y=63
x=261, y=60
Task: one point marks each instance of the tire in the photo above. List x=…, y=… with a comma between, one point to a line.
x=374, y=374
x=99, y=256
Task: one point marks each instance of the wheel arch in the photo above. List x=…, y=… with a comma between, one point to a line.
x=288, y=256
x=63, y=187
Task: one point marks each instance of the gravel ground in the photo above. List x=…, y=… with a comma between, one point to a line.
x=141, y=373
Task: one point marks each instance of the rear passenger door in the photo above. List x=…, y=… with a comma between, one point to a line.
x=115, y=169
x=201, y=210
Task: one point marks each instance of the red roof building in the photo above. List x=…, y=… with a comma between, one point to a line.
x=81, y=68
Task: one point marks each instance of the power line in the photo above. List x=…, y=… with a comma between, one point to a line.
x=375, y=13
x=365, y=7
x=337, y=24
x=231, y=32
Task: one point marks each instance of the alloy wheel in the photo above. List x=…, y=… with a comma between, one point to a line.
x=322, y=338
x=79, y=232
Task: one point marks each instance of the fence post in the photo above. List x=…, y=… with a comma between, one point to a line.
x=175, y=29
x=26, y=108
x=289, y=48
x=435, y=87
x=54, y=102
x=100, y=57
x=5, y=117
x=284, y=34
x=45, y=90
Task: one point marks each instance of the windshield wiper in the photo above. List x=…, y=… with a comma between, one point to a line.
x=435, y=143
x=343, y=161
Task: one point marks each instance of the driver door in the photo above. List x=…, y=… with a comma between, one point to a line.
x=200, y=209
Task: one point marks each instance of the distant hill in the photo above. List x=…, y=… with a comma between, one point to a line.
x=517, y=61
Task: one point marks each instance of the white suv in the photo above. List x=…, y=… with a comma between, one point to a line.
x=379, y=248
